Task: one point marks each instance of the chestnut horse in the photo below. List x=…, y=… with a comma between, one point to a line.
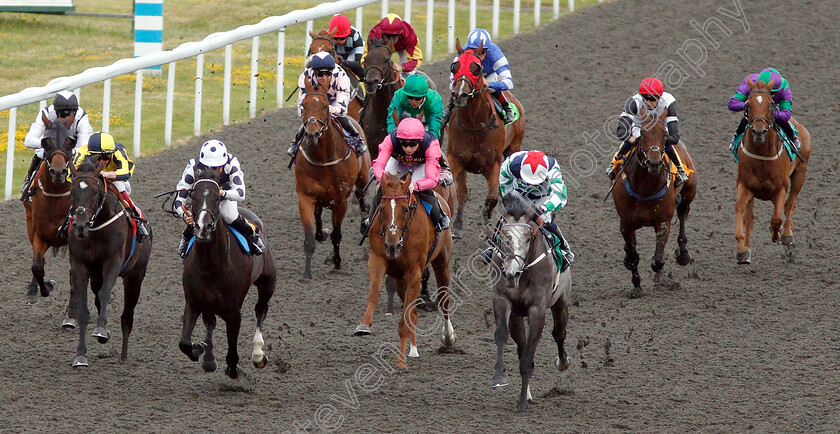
x=102, y=247
x=765, y=172
x=217, y=276
x=646, y=196
x=478, y=141
x=323, y=41
x=326, y=175
x=405, y=244
x=47, y=206
x=381, y=82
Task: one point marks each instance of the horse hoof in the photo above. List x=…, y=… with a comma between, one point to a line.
x=744, y=257
x=362, y=330
x=68, y=323
x=499, y=382
x=209, y=366
x=262, y=363
x=448, y=342
x=307, y=275
x=787, y=240
x=48, y=288
x=30, y=300
x=456, y=234
x=80, y=361
x=234, y=372
x=636, y=292
x=682, y=259
x=657, y=266
x=564, y=366
x=101, y=334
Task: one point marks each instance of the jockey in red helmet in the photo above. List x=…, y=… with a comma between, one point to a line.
x=349, y=44
x=392, y=27
x=653, y=100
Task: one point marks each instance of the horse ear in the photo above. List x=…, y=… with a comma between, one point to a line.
x=73, y=170
x=750, y=83
x=46, y=120
x=458, y=46
x=480, y=48
x=769, y=86
x=100, y=165
x=314, y=35
x=333, y=32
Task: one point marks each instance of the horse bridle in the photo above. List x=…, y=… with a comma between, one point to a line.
x=412, y=208
x=103, y=195
x=383, y=73
x=518, y=258
x=475, y=89
x=332, y=44
x=646, y=162
x=312, y=119
x=213, y=218
x=770, y=122
x=60, y=151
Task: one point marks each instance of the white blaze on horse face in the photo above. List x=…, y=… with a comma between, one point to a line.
x=759, y=98
x=461, y=88
x=393, y=211
x=517, y=239
x=83, y=185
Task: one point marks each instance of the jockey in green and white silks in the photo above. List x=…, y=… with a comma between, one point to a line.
x=537, y=177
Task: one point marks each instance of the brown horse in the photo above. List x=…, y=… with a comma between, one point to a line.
x=381, y=83
x=217, y=276
x=323, y=41
x=765, y=172
x=326, y=175
x=646, y=196
x=47, y=207
x=407, y=242
x=102, y=247
x=478, y=140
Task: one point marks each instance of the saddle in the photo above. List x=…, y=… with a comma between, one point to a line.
x=243, y=242
x=671, y=167
x=501, y=111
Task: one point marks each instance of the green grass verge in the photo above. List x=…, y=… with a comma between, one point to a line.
x=38, y=48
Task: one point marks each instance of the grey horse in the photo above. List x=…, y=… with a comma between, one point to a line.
x=528, y=285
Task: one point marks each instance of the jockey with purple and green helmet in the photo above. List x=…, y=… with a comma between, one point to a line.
x=417, y=100
x=782, y=101
x=494, y=66
x=537, y=177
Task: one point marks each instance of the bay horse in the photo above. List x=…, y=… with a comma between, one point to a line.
x=102, y=247
x=646, y=196
x=765, y=172
x=405, y=245
x=381, y=83
x=326, y=175
x=478, y=140
x=528, y=285
x=47, y=206
x=323, y=41
x=217, y=276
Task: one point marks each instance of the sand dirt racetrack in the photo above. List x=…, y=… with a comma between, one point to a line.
x=714, y=346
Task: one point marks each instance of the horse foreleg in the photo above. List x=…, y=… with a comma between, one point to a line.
x=391, y=290
x=193, y=351
x=408, y=320
x=208, y=362
x=79, y=308
x=39, y=250
x=682, y=255
x=776, y=220
x=265, y=289
x=663, y=229
x=501, y=310
x=444, y=298
x=376, y=272
x=320, y=236
x=232, y=324
x=492, y=177
x=103, y=297
x=306, y=206
x=631, y=258
x=338, y=213
x=560, y=314
x=536, y=321
x=743, y=223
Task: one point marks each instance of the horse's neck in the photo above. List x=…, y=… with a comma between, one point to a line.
x=329, y=145
x=478, y=110
x=382, y=99
x=643, y=182
x=216, y=250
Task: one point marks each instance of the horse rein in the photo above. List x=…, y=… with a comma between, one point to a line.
x=382, y=72
x=213, y=218
x=520, y=259
x=318, y=134
x=99, y=206
x=646, y=162
x=412, y=209
x=313, y=120
x=771, y=124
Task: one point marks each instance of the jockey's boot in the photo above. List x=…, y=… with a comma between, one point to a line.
x=622, y=151
x=568, y=256
x=508, y=112
x=439, y=218
x=185, y=241
x=62, y=230
x=445, y=178
x=292, y=151
x=27, y=180
x=365, y=226
x=358, y=143
x=241, y=225
x=681, y=175
x=733, y=144
x=142, y=230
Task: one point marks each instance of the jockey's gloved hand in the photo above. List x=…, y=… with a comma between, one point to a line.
x=671, y=139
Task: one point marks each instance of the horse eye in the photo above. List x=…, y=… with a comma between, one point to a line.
x=454, y=67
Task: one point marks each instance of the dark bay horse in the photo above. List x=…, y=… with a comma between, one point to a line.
x=216, y=278
x=477, y=138
x=47, y=206
x=403, y=242
x=326, y=175
x=323, y=41
x=381, y=82
x=529, y=284
x=766, y=173
x=645, y=195
x=102, y=247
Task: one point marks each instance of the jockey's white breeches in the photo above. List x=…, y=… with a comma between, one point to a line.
x=122, y=186
x=229, y=210
x=394, y=167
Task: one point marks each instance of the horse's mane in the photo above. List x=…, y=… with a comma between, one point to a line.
x=89, y=164
x=391, y=183
x=516, y=204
